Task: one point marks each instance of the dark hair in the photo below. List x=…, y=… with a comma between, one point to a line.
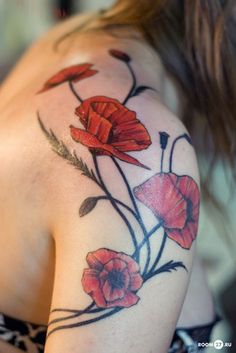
x=196, y=41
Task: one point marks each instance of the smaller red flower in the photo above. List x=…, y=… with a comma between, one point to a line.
x=110, y=129
x=73, y=73
x=112, y=279
x=120, y=55
x=174, y=200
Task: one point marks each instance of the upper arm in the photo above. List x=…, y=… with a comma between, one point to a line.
x=125, y=203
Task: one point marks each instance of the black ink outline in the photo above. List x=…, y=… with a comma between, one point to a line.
x=165, y=236
x=139, y=218
x=134, y=90
x=184, y=136
x=86, y=322
x=72, y=88
x=61, y=149
x=133, y=86
x=108, y=194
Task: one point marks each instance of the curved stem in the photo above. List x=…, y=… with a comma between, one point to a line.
x=76, y=314
x=167, y=267
x=139, y=218
x=121, y=214
x=162, y=159
x=72, y=88
x=129, y=189
x=129, y=95
x=159, y=252
x=184, y=136
x=85, y=322
x=149, y=234
x=120, y=203
x=92, y=311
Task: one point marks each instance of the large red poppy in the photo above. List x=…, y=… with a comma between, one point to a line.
x=112, y=279
x=110, y=129
x=73, y=73
x=174, y=200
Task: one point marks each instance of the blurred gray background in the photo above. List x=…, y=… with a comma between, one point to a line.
x=22, y=22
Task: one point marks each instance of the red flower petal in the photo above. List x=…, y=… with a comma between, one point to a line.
x=73, y=73
x=100, y=256
x=112, y=294
x=115, y=264
x=128, y=300
x=160, y=194
x=132, y=265
x=136, y=281
x=84, y=75
x=92, y=142
x=99, y=298
x=174, y=200
x=182, y=238
x=98, y=126
x=110, y=280
x=133, y=131
x=126, y=127
x=90, y=280
x=114, y=125
x=104, y=106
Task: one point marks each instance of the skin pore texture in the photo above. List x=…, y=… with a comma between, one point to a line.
x=45, y=210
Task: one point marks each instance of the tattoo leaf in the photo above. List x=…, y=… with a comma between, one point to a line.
x=171, y=266
x=167, y=267
x=62, y=150
x=87, y=206
x=140, y=89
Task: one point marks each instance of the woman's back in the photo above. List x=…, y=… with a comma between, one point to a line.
x=41, y=193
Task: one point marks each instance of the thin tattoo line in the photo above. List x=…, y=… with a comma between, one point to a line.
x=121, y=214
x=86, y=322
x=76, y=310
x=167, y=267
x=93, y=313
x=120, y=203
x=184, y=136
x=87, y=310
x=149, y=234
x=78, y=313
x=142, y=225
x=129, y=95
x=159, y=252
x=72, y=88
x=162, y=159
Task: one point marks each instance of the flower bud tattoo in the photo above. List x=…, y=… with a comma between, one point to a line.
x=108, y=129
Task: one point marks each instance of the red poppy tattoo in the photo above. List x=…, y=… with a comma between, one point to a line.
x=174, y=200
x=112, y=279
x=111, y=130
x=73, y=74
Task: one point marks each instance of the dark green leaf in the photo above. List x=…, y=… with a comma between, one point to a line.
x=87, y=206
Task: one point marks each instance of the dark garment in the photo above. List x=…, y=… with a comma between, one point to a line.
x=31, y=338
x=23, y=335
x=186, y=340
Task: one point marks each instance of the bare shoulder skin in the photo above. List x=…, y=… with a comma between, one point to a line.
x=100, y=197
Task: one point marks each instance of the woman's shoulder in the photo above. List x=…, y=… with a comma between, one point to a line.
x=97, y=72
